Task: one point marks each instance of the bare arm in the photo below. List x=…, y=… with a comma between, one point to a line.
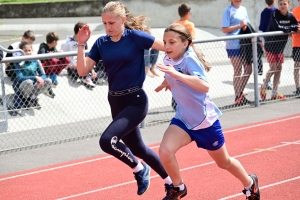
x=84, y=64
x=191, y=81
x=234, y=27
x=158, y=45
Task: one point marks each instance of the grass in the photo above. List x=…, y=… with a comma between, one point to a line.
x=32, y=1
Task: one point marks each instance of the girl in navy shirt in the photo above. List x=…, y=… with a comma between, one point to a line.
x=122, y=53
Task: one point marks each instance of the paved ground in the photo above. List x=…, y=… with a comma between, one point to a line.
x=24, y=160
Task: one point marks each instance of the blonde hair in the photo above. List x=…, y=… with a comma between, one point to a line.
x=132, y=22
x=185, y=35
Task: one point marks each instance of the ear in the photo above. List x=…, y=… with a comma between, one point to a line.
x=185, y=44
x=123, y=19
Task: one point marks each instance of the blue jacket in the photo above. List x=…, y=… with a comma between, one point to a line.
x=29, y=70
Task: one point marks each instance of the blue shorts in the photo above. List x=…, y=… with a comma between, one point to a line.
x=233, y=52
x=210, y=138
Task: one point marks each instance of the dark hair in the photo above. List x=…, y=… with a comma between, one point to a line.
x=29, y=35
x=52, y=36
x=23, y=44
x=132, y=22
x=78, y=26
x=183, y=9
x=185, y=35
x=269, y=2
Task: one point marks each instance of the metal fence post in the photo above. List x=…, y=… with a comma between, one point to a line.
x=255, y=66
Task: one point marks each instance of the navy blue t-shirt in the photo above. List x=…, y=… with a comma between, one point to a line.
x=123, y=60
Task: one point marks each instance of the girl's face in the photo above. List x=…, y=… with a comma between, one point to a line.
x=174, y=47
x=236, y=3
x=283, y=6
x=113, y=24
x=27, y=50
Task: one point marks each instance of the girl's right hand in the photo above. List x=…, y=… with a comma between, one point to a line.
x=84, y=34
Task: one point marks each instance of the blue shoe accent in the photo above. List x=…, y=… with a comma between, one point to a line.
x=143, y=179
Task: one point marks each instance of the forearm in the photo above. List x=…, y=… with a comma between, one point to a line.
x=230, y=29
x=81, y=62
x=194, y=82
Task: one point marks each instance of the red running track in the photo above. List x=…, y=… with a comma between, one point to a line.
x=271, y=149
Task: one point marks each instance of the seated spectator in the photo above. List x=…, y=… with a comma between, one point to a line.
x=30, y=81
x=71, y=45
x=29, y=37
x=53, y=66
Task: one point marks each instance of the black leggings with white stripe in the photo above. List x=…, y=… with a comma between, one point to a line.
x=128, y=111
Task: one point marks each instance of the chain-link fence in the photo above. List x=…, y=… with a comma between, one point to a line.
x=77, y=107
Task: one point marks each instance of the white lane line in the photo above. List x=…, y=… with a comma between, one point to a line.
x=60, y=167
x=97, y=159
x=184, y=169
x=264, y=187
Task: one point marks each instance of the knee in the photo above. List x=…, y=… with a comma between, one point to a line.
x=164, y=153
x=47, y=82
x=107, y=143
x=224, y=164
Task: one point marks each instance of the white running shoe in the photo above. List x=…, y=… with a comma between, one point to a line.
x=88, y=82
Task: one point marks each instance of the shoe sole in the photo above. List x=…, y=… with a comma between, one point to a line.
x=149, y=181
x=183, y=195
x=255, y=181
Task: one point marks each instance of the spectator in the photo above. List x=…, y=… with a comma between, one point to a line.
x=71, y=45
x=234, y=18
x=265, y=17
x=281, y=20
x=296, y=52
x=184, y=11
x=122, y=52
x=30, y=81
x=150, y=57
x=29, y=37
x=52, y=66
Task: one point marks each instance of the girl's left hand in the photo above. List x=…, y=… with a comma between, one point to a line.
x=169, y=69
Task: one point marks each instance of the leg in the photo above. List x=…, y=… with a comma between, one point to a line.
x=237, y=72
x=174, y=138
x=137, y=146
x=147, y=63
x=296, y=74
x=128, y=112
x=246, y=75
x=27, y=88
x=277, y=75
x=224, y=161
x=153, y=59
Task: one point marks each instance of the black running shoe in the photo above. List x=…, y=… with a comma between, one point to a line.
x=241, y=100
x=35, y=104
x=168, y=189
x=143, y=179
x=253, y=193
x=175, y=193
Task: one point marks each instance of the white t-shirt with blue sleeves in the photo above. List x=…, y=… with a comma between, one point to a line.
x=233, y=16
x=201, y=111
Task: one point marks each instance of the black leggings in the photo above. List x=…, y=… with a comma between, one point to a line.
x=128, y=111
